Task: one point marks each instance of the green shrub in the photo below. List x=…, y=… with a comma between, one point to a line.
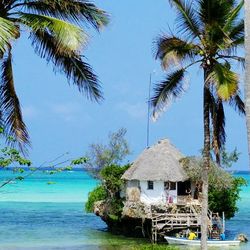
x=109, y=190
x=99, y=193
x=225, y=200
x=111, y=178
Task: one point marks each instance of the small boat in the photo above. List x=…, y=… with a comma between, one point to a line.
x=184, y=241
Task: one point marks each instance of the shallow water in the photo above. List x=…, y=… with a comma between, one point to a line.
x=35, y=215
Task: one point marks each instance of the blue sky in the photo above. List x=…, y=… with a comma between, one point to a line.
x=60, y=119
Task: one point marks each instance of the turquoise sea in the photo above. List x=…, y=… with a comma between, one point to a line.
x=38, y=215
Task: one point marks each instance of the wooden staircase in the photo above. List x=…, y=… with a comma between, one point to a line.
x=182, y=217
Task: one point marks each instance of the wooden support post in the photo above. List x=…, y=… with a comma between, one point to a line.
x=188, y=221
x=223, y=222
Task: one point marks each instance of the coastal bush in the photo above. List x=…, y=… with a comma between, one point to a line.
x=224, y=189
x=109, y=190
x=111, y=179
x=225, y=200
x=98, y=194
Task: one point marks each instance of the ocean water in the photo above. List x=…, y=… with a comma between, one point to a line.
x=37, y=215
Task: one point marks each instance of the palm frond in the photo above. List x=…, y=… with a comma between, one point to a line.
x=10, y=106
x=7, y=4
x=232, y=16
x=173, y=50
x=68, y=62
x=8, y=32
x=72, y=10
x=241, y=60
x=67, y=35
x=216, y=38
x=211, y=11
x=237, y=31
x=167, y=90
x=187, y=20
x=237, y=103
x=235, y=38
x=225, y=81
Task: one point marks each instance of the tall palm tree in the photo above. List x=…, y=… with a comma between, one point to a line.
x=247, y=72
x=209, y=34
x=57, y=33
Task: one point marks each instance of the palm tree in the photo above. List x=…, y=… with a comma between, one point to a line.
x=209, y=34
x=57, y=33
x=247, y=75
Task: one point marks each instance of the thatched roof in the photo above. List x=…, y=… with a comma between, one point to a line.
x=159, y=162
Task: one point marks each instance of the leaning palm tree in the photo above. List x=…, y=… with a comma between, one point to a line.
x=57, y=33
x=210, y=32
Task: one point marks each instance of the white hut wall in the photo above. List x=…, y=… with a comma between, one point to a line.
x=155, y=195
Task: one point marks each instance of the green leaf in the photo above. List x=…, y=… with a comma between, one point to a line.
x=68, y=62
x=53, y=172
x=68, y=168
x=8, y=32
x=68, y=36
x=172, y=50
x=77, y=11
x=187, y=18
x=167, y=90
x=233, y=14
x=20, y=178
x=10, y=106
x=79, y=161
x=225, y=81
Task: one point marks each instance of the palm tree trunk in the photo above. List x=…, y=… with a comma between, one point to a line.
x=247, y=70
x=206, y=163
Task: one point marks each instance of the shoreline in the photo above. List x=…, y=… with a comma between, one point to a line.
x=37, y=223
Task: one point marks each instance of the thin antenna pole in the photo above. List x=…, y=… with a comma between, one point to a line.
x=149, y=94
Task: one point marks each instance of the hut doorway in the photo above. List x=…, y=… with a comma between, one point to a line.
x=183, y=188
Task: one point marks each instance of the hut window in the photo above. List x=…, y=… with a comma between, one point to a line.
x=172, y=185
x=166, y=185
x=150, y=185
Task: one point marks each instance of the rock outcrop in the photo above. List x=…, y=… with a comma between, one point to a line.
x=134, y=221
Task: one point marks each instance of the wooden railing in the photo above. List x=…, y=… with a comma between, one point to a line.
x=168, y=221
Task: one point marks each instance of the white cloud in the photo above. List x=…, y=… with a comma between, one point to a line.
x=69, y=112
x=135, y=110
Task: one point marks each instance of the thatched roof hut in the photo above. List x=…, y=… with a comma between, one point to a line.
x=161, y=162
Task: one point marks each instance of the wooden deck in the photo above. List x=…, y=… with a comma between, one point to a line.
x=178, y=218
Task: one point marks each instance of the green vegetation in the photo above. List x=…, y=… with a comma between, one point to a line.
x=111, y=177
x=102, y=155
x=223, y=191
x=22, y=167
x=209, y=34
x=104, y=162
x=225, y=200
x=109, y=191
x=223, y=187
x=57, y=30
x=98, y=194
